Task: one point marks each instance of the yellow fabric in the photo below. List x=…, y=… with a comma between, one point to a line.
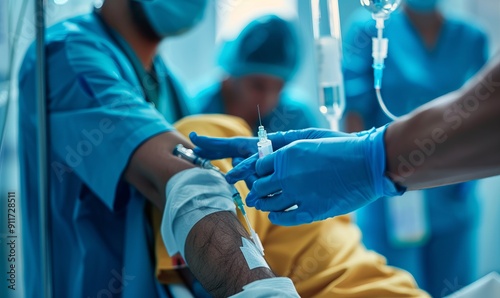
x=324, y=259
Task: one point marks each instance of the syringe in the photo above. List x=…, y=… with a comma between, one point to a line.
x=264, y=146
x=189, y=155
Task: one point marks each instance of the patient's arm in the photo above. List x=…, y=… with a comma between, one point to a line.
x=200, y=222
x=214, y=245
x=153, y=164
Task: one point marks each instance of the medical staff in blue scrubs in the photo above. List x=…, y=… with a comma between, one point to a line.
x=97, y=86
x=258, y=64
x=429, y=56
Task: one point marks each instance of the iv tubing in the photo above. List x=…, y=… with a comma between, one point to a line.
x=383, y=106
x=379, y=54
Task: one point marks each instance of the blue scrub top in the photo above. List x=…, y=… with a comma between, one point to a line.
x=289, y=114
x=102, y=244
x=414, y=75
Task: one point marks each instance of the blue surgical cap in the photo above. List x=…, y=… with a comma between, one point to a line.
x=268, y=45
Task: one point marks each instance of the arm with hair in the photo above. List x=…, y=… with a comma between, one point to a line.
x=213, y=252
x=450, y=140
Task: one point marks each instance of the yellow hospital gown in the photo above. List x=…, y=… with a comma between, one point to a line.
x=323, y=259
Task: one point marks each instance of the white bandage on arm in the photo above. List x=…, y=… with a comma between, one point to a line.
x=269, y=287
x=192, y=195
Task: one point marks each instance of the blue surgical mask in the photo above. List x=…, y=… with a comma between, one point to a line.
x=173, y=17
x=422, y=5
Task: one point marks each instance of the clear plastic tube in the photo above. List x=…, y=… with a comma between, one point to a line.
x=380, y=9
x=383, y=106
x=326, y=27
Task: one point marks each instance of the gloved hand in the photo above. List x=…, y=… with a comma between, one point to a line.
x=324, y=177
x=240, y=148
x=218, y=148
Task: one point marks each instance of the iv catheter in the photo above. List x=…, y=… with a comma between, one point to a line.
x=190, y=156
x=380, y=9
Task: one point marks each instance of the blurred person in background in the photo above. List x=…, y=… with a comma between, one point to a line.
x=258, y=64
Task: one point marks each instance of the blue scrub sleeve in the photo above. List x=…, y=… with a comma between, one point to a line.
x=481, y=54
x=98, y=114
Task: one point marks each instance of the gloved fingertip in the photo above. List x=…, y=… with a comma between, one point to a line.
x=250, y=180
x=230, y=179
x=197, y=150
x=250, y=201
x=234, y=175
x=258, y=204
x=237, y=160
x=193, y=135
x=274, y=217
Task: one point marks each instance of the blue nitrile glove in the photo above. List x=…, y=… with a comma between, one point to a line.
x=240, y=148
x=219, y=148
x=324, y=177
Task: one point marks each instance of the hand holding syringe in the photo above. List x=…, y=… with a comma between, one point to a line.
x=265, y=148
x=189, y=155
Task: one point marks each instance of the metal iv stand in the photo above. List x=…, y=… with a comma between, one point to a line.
x=43, y=152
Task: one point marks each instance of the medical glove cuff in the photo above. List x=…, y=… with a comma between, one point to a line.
x=192, y=195
x=383, y=185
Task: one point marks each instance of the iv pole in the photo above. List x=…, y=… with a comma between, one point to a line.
x=43, y=155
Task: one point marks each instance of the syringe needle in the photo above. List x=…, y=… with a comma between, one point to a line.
x=258, y=111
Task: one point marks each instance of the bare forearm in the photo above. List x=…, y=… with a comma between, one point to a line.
x=213, y=246
x=153, y=164
x=453, y=139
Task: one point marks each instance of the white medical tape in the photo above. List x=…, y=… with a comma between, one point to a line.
x=270, y=287
x=252, y=255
